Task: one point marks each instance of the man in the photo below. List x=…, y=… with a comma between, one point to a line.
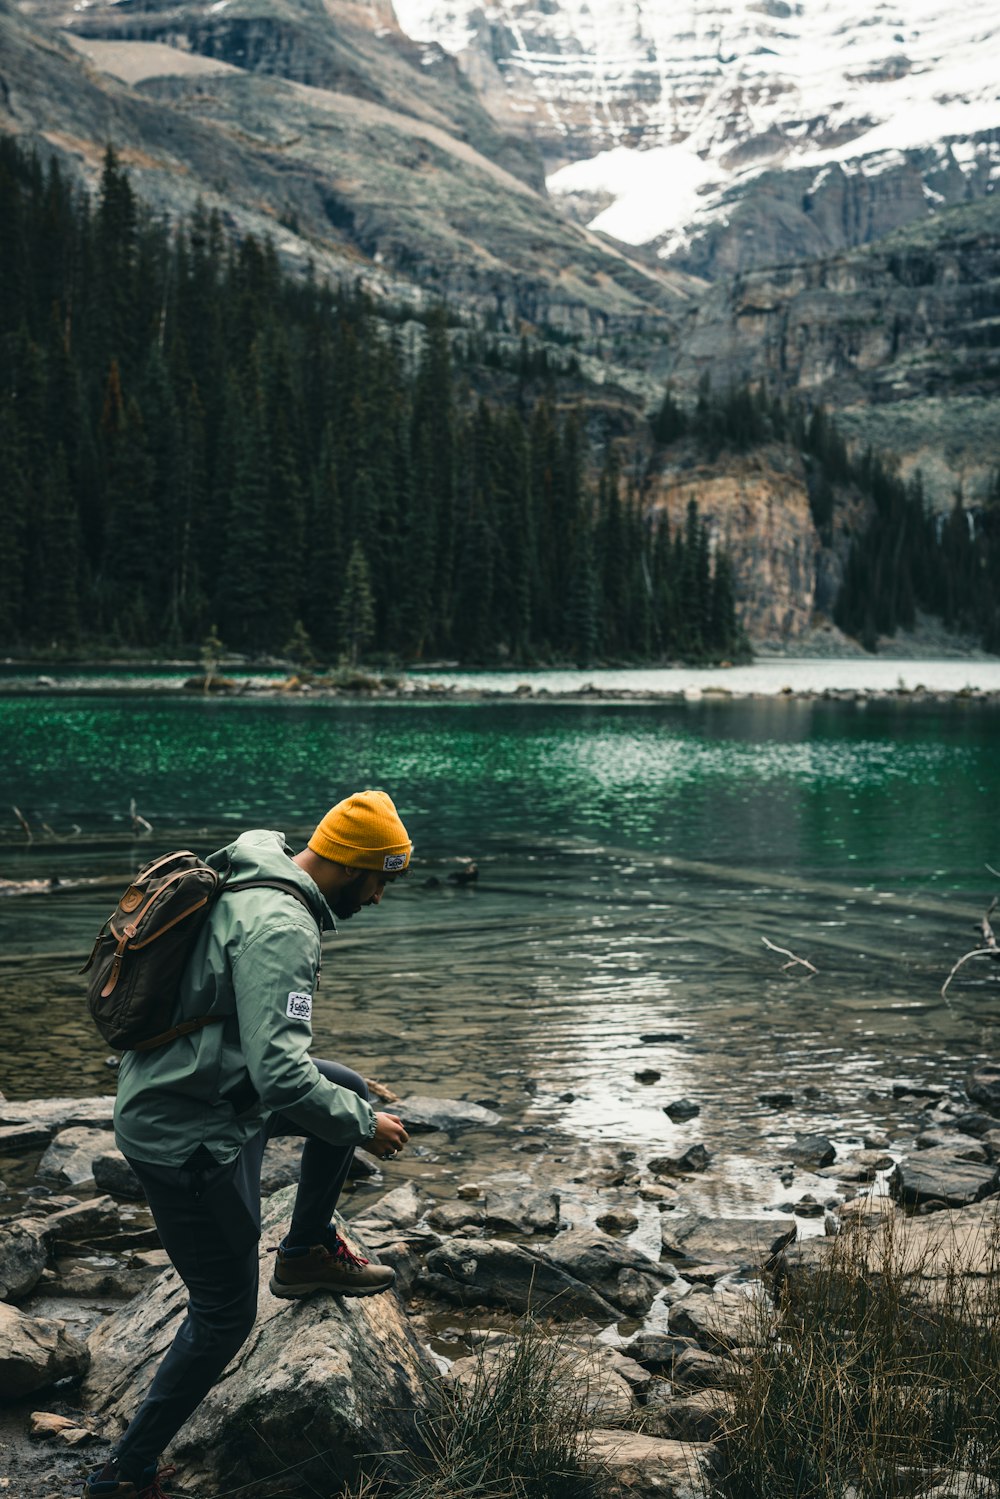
x=193, y=1116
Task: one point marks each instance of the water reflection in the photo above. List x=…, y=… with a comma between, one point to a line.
x=632, y=860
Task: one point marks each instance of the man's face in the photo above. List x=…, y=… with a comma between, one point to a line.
x=365, y=889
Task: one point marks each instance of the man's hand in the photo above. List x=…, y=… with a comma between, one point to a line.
x=389, y=1137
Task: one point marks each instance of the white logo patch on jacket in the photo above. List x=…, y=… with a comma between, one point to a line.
x=300, y=1006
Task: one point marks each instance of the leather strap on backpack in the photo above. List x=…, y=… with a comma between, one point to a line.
x=188, y=1027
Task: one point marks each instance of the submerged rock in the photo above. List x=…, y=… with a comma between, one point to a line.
x=695, y=1158
x=35, y=1352
x=681, y=1109
x=350, y=1373
x=448, y=1114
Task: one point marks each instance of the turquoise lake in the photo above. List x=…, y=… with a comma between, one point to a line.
x=632, y=858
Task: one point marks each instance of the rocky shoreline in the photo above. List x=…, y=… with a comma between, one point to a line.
x=626, y=1252
x=419, y=690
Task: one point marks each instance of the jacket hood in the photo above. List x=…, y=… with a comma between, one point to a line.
x=263, y=854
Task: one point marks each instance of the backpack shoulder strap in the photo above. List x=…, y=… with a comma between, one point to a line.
x=288, y=886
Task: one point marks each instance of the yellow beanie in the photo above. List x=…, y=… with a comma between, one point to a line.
x=364, y=831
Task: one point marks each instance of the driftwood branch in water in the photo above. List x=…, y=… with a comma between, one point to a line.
x=24, y=823
x=139, y=824
x=792, y=959
x=988, y=948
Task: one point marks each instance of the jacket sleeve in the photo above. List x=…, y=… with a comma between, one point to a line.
x=274, y=979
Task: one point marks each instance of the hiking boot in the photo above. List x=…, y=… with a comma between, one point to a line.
x=104, y=1483
x=298, y=1272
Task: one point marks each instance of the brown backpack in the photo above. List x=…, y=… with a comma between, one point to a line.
x=142, y=949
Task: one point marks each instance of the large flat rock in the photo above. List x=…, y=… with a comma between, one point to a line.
x=942, y=1176
x=337, y=1376
x=493, y=1272
x=654, y=1467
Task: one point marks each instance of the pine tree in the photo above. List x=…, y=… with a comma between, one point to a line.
x=357, y=606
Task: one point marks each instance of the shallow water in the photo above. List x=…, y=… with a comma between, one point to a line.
x=632, y=858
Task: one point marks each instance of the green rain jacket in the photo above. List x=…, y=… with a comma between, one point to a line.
x=256, y=962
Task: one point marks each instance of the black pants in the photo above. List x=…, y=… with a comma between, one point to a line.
x=208, y=1219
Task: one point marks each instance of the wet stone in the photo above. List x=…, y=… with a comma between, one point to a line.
x=681, y=1109
x=623, y=1274
x=112, y=1173
x=448, y=1114
x=23, y=1256
x=716, y=1319
x=734, y=1241
x=84, y=1220
x=695, y=1158
x=453, y=1217
x=527, y=1211
x=15, y=1138
x=960, y=1145
x=617, y=1221
x=983, y=1086
x=813, y=1150
x=70, y=1157
x=648, y=1076
x=779, y=1099
x=938, y=1175
x=657, y=1351
x=492, y=1272
x=35, y=1352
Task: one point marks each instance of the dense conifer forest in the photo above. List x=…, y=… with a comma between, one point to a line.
x=193, y=441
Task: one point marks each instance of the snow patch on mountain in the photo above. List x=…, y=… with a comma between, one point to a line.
x=666, y=109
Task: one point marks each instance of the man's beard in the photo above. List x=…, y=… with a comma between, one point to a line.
x=347, y=903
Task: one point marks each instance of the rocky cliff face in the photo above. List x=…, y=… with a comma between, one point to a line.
x=757, y=510
x=901, y=340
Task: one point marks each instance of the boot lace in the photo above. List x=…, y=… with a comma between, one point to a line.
x=154, y=1490
x=349, y=1259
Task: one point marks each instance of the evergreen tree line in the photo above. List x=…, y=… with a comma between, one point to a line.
x=192, y=440
x=907, y=557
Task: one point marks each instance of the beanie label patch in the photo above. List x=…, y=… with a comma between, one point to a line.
x=392, y=862
x=300, y=1006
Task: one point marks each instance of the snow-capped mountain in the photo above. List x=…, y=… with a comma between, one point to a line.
x=660, y=121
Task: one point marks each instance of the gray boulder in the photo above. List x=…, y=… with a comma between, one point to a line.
x=69, y=1160
x=454, y=1217
x=940, y=1175
x=695, y=1158
x=403, y=1207
x=35, y=1352
x=983, y=1086
x=813, y=1150
x=23, y=1256
x=701, y=1416
x=449, y=1114
x=624, y=1276
x=589, y=1379
x=717, y=1320
x=522, y=1211
x=697, y=1369
x=493, y=1272
x=112, y=1173
x=647, y=1467
x=95, y=1218
x=732, y=1241
x=340, y=1377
